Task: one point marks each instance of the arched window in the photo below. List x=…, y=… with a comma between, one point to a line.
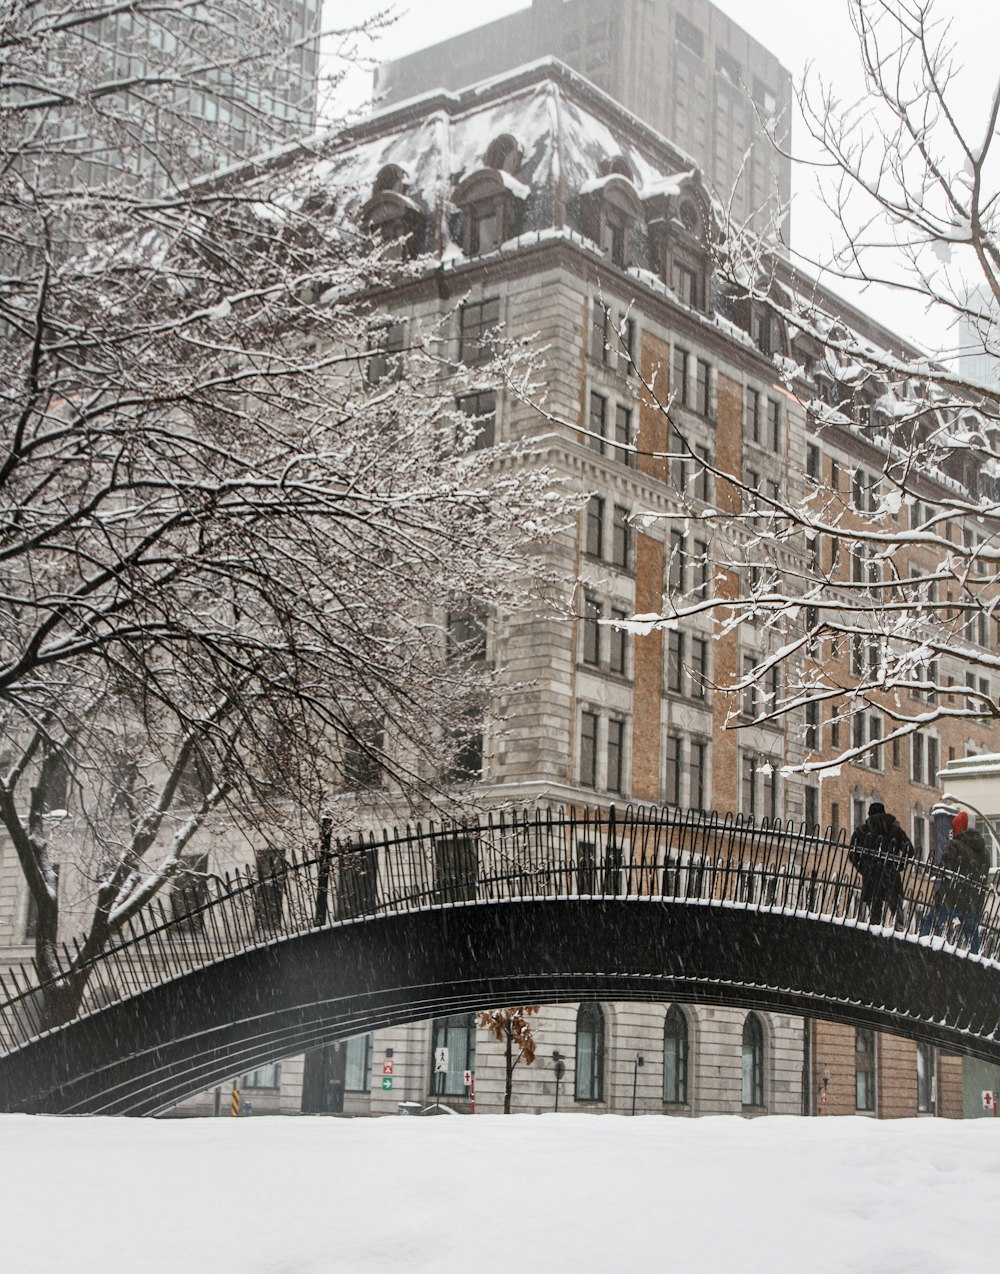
x=504, y=154
x=618, y=165
x=675, y=1057
x=589, y=1053
x=391, y=179
x=864, y=1068
x=753, y=1062
x=453, y=1052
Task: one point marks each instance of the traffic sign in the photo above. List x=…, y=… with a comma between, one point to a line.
x=386, y=1083
x=440, y=1061
x=387, y=1067
x=468, y=1079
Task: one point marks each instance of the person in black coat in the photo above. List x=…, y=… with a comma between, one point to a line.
x=879, y=851
x=960, y=889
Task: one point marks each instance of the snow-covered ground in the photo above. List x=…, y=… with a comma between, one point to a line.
x=459, y=1195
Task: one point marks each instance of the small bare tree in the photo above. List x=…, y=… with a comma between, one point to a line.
x=513, y=1029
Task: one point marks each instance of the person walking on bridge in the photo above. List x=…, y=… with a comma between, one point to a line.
x=879, y=851
x=958, y=896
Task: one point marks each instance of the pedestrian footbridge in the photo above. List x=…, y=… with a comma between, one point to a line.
x=534, y=908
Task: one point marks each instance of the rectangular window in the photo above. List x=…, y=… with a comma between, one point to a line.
x=676, y=565
x=748, y=786
x=703, y=476
x=588, y=749
x=933, y=759
x=699, y=667
x=485, y=232
x=812, y=726
x=673, y=752
x=618, y=645
x=358, y=1064
x=703, y=388
x=385, y=353
x=727, y=66
x=613, y=238
x=691, y=36
x=752, y=429
x=626, y=345
x=697, y=752
x=616, y=755
x=874, y=736
x=917, y=758
x=812, y=461
x=750, y=689
x=600, y=331
x=598, y=422
x=678, y=460
x=189, y=892
x=684, y=281
x=680, y=385
x=621, y=539
x=264, y=1077
x=926, y=1079
x=864, y=1068
x=477, y=319
x=769, y=792
x=481, y=409
x=591, y=630
x=774, y=425
x=623, y=435
x=595, y=526
x=699, y=568
x=675, y=661
x=811, y=809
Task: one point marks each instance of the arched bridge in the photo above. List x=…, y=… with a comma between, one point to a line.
x=533, y=908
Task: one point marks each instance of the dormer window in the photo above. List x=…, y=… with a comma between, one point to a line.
x=392, y=216
x=613, y=210
x=677, y=213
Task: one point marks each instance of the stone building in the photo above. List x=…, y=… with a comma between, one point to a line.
x=557, y=217
x=553, y=216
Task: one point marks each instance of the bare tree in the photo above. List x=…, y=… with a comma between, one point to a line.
x=867, y=589
x=242, y=539
x=512, y=1028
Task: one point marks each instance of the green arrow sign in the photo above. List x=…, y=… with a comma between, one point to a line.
x=386, y=1083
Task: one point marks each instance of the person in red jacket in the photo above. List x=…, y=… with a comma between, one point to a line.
x=958, y=894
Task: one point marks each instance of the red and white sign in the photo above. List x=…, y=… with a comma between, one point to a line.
x=989, y=1100
x=468, y=1079
x=387, y=1067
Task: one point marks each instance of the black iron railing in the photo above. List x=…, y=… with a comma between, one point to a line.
x=652, y=854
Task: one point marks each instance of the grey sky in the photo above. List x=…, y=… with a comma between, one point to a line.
x=797, y=33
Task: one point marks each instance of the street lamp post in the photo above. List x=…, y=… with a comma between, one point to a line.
x=635, y=1077
x=559, y=1066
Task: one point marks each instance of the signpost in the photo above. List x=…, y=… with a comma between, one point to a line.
x=440, y=1067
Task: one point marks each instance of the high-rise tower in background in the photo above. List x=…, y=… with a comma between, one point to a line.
x=184, y=89
x=682, y=66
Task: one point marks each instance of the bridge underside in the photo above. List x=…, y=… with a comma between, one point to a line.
x=145, y=1054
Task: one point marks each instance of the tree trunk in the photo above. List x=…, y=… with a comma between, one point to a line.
x=510, y=1072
